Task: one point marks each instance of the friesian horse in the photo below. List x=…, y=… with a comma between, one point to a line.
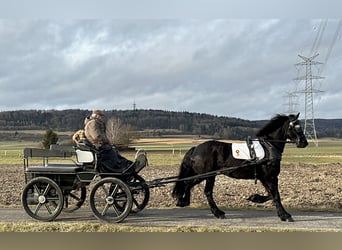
x=217, y=156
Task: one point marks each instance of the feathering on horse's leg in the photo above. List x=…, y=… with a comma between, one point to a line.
x=272, y=187
x=178, y=189
x=181, y=190
x=208, y=190
x=283, y=215
x=185, y=170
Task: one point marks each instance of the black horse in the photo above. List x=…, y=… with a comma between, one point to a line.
x=217, y=156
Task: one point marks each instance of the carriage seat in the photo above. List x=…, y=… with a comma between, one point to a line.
x=55, y=168
x=84, y=156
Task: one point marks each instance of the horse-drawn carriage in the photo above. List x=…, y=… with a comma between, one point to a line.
x=54, y=187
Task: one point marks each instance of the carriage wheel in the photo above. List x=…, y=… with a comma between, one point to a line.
x=111, y=200
x=74, y=199
x=140, y=193
x=42, y=199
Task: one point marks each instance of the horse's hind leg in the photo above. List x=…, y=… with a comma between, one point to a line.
x=185, y=200
x=272, y=188
x=182, y=189
x=208, y=190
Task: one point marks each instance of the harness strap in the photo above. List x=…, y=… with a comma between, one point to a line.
x=250, y=146
x=273, y=154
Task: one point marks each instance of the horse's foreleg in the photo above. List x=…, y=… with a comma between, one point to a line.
x=272, y=188
x=208, y=191
x=257, y=198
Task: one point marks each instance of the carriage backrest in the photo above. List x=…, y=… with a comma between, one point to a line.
x=84, y=156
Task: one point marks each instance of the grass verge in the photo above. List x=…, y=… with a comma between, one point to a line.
x=99, y=227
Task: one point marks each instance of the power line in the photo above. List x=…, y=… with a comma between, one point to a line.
x=339, y=25
x=318, y=39
x=308, y=77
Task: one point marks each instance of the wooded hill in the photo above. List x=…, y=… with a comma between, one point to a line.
x=152, y=122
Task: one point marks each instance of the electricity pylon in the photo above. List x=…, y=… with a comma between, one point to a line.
x=291, y=102
x=309, y=126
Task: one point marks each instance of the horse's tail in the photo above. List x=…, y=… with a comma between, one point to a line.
x=184, y=170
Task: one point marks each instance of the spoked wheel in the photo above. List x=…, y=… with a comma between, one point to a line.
x=42, y=199
x=140, y=193
x=74, y=199
x=111, y=200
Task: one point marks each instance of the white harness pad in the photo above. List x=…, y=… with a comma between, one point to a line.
x=241, y=151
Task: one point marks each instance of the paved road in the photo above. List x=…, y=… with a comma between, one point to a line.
x=200, y=218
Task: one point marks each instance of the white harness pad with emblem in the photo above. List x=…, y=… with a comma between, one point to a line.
x=241, y=151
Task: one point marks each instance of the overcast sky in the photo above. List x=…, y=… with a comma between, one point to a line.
x=237, y=67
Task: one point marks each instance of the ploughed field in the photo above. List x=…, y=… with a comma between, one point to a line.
x=302, y=186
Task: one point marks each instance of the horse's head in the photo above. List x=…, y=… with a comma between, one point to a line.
x=282, y=128
x=295, y=132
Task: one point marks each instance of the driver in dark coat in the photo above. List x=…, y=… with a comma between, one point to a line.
x=109, y=159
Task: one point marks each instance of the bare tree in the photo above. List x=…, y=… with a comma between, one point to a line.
x=120, y=134
x=113, y=130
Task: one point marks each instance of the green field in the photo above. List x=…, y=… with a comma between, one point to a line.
x=328, y=151
x=170, y=151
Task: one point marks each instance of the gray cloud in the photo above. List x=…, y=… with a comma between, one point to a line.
x=231, y=67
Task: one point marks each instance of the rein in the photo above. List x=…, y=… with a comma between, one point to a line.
x=285, y=141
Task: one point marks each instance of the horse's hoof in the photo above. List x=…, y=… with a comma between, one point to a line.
x=220, y=216
x=182, y=204
x=179, y=204
x=288, y=219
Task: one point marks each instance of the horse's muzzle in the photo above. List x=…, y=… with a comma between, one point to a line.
x=301, y=142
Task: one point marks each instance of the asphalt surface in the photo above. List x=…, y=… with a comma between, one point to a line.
x=180, y=217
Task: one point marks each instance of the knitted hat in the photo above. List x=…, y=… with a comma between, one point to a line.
x=98, y=112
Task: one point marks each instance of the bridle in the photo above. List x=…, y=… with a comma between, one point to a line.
x=296, y=127
x=292, y=125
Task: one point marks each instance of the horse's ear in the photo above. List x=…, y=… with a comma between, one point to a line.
x=297, y=116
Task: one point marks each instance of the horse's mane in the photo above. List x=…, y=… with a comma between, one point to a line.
x=276, y=122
